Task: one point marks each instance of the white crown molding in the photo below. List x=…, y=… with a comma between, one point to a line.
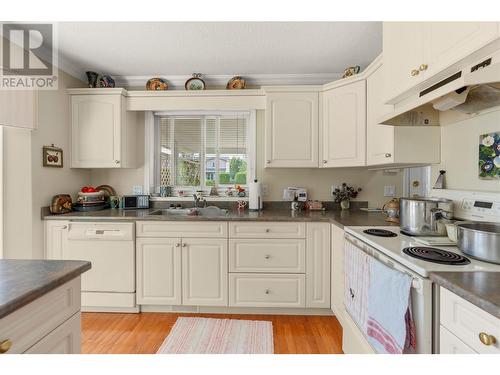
x=177, y=81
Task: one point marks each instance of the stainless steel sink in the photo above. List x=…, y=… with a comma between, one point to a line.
x=210, y=211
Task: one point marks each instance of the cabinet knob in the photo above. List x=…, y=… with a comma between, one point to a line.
x=268, y=291
x=5, y=345
x=177, y=245
x=388, y=155
x=268, y=256
x=325, y=161
x=268, y=230
x=184, y=245
x=414, y=72
x=64, y=227
x=117, y=161
x=487, y=339
x=268, y=161
x=423, y=67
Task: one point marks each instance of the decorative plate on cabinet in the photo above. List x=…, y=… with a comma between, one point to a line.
x=155, y=84
x=195, y=82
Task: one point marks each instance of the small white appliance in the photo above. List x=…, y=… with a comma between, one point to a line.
x=110, y=247
x=295, y=193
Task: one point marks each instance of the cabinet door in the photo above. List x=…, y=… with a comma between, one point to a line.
x=448, y=42
x=95, y=131
x=292, y=129
x=379, y=138
x=344, y=126
x=403, y=48
x=204, y=272
x=55, y=235
x=337, y=267
x=451, y=344
x=159, y=271
x=318, y=265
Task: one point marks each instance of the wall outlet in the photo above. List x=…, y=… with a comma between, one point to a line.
x=390, y=191
x=137, y=190
x=264, y=189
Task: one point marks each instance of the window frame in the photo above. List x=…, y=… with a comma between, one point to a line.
x=152, y=144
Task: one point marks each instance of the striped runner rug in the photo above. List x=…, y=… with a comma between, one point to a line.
x=218, y=336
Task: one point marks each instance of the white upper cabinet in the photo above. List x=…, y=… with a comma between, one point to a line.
x=387, y=144
x=343, y=126
x=416, y=51
x=103, y=133
x=448, y=42
x=292, y=129
x=403, y=48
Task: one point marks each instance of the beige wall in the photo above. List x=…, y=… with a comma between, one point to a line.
x=317, y=181
x=30, y=186
x=459, y=151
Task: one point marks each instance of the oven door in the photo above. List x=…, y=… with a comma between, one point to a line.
x=421, y=297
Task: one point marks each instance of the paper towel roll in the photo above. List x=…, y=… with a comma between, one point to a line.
x=255, y=196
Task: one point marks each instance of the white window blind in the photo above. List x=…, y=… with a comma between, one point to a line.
x=203, y=150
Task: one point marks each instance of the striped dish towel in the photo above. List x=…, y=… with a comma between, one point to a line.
x=357, y=279
x=390, y=325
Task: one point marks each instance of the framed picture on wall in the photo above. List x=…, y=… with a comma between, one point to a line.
x=52, y=156
x=489, y=156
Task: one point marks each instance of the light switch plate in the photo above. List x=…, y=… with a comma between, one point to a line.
x=264, y=189
x=389, y=191
x=137, y=190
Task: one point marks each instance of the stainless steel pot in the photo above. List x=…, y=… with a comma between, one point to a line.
x=480, y=240
x=423, y=216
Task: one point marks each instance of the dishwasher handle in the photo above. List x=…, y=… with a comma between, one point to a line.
x=118, y=232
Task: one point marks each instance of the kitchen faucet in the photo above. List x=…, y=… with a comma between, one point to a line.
x=198, y=199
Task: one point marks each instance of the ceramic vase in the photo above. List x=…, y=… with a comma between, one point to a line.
x=345, y=204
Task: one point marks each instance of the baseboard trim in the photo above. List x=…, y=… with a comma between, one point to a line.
x=108, y=309
x=236, y=310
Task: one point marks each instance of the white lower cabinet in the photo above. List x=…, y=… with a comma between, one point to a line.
x=318, y=265
x=159, y=271
x=266, y=290
x=65, y=339
x=451, y=344
x=473, y=327
x=337, y=269
x=204, y=271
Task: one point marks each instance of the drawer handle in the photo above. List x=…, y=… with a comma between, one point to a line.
x=487, y=339
x=268, y=291
x=5, y=345
x=268, y=230
x=268, y=256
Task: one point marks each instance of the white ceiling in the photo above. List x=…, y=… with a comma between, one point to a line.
x=268, y=52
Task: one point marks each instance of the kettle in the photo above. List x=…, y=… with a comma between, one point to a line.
x=391, y=210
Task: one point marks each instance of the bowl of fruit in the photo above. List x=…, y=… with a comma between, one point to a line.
x=90, y=195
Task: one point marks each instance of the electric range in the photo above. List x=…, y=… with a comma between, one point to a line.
x=393, y=248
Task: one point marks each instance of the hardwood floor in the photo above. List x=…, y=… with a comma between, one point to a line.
x=144, y=332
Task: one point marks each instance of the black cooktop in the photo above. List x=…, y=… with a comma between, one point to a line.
x=380, y=232
x=434, y=255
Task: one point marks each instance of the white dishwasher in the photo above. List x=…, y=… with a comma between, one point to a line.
x=110, y=247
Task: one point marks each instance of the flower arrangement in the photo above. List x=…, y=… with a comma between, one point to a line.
x=345, y=193
x=489, y=156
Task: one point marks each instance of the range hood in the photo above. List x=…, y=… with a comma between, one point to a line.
x=474, y=89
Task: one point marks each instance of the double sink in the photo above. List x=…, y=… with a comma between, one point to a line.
x=210, y=211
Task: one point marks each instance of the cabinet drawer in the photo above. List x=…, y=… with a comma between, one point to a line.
x=267, y=230
x=275, y=255
x=206, y=229
x=30, y=323
x=266, y=290
x=467, y=321
x=451, y=344
x=65, y=339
